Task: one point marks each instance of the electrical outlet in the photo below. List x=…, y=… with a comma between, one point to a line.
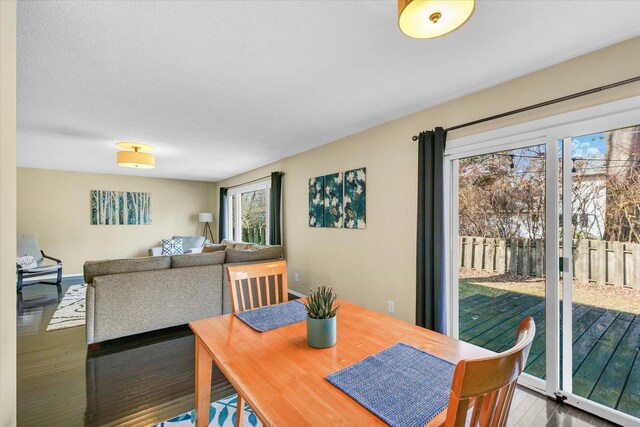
x=391, y=306
x=296, y=277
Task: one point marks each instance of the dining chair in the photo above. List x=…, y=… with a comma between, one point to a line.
x=253, y=286
x=257, y=285
x=482, y=389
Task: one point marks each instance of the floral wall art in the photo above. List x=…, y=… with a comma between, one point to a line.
x=120, y=208
x=338, y=200
x=333, y=191
x=355, y=198
x=316, y=201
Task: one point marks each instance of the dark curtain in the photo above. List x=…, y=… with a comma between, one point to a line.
x=222, y=217
x=275, y=209
x=430, y=274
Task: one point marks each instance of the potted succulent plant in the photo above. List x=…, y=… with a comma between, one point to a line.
x=321, y=317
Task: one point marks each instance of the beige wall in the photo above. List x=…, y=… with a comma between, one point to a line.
x=372, y=266
x=7, y=213
x=56, y=205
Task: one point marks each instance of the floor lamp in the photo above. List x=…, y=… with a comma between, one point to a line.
x=206, y=217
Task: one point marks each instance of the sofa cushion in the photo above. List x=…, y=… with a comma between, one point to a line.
x=196, y=260
x=245, y=246
x=238, y=245
x=126, y=265
x=259, y=254
x=213, y=248
x=172, y=246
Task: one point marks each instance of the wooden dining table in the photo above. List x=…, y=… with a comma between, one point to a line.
x=283, y=379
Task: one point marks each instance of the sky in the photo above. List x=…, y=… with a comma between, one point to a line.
x=589, y=146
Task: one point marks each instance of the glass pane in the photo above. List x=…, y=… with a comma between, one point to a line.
x=253, y=206
x=606, y=275
x=501, y=240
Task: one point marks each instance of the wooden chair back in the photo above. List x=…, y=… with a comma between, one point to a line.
x=482, y=389
x=258, y=285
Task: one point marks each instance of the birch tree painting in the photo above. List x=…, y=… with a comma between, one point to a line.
x=120, y=207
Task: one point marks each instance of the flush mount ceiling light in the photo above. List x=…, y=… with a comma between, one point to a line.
x=135, y=158
x=428, y=19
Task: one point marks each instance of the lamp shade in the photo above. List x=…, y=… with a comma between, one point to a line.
x=427, y=19
x=205, y=217
x=136, y=159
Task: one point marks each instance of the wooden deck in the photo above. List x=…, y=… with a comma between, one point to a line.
x=606, y=365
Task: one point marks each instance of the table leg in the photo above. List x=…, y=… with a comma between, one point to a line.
x=204, y=365
x=239, y=411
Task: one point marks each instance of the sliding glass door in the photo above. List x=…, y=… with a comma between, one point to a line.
x=601, y=318
x=547, y=224
x=502, y=233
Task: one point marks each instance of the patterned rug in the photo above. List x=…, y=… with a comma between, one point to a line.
x=71, y=310
x=222, y=413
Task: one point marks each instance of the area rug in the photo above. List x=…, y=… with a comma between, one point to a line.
x=222, y=413
x=71, y=310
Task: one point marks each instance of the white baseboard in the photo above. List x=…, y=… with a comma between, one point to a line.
x=298, y=294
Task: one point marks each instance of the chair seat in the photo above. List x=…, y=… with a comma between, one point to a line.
x=43, y=269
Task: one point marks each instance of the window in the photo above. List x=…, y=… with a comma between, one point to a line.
x=249, y=213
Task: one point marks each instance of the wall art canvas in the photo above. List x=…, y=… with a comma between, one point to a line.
x=333, y=200
x=355, y=198
x=316, y=202
x=120, y=208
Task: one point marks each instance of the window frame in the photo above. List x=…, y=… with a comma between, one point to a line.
x=237, y=191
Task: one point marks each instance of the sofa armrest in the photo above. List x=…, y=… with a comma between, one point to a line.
x=156, y=251
x=197, y=250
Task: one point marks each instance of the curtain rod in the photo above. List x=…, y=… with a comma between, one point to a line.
x=542, y=104
x=251, y=182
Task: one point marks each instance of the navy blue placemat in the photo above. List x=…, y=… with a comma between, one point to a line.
x=401, y=385
x=270, y=317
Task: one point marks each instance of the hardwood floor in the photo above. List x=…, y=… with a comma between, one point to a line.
x=148, y=378
x=133, y=381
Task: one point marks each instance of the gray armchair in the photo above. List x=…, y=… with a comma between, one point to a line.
x=27, y=244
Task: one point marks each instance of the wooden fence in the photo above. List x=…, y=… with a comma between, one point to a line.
x=594, y=261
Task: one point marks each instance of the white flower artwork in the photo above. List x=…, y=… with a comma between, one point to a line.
x=316, y=202
x=355, y=198
x=338, y=200
x=333, y=205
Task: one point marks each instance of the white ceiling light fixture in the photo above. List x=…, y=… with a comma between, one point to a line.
x=135, y=158
x=428, y=19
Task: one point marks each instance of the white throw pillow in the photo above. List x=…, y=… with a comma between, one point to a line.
x=172, y=247
x=26, y=262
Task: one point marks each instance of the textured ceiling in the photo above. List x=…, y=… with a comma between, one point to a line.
x=223, y=87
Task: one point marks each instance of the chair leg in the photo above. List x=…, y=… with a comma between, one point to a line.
x=59, y=284
x=20, y=304
x=239, y=411
x=19, y=283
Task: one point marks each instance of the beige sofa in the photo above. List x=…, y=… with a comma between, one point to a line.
x=134, y=295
